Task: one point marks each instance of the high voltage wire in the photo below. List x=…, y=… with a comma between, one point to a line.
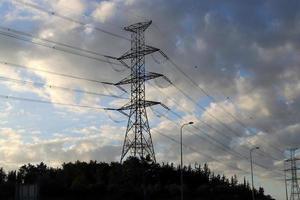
x=103, y=83
x=251, y=117
x=51, y=41
x=34, y=84
x=222, y=134
x=7, y=97
x=200, y=153
x=205, y=155
x=223, y=146
x=56, y=14
x=45, y=43
x=207, y=135
x=207, y=124
x=48, y=46
x=56, y=45
x=211, y=115
x=218, y=120
x=51, y=72
x=241, y=123
x=214, y=100
x=208, y=95
x=211, y=97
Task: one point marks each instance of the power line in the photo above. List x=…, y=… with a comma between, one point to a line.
x=219, y=132
x=56, y=14
x=103, y=83
x=241, y=123
x=47, y=102
x=34, y=84
x=251, y=117
x=205, y=155
x=51, y=72
x=211, y=97
x=72, y=49
x=211, y=115
x=222, y=145
x=51, y=41
x=214, y=100
x=200, y=153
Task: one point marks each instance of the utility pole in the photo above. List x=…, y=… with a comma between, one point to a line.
x=295, y=192
x=138, y=140
x=285, y=182
x=181, y=159
x=251, y=165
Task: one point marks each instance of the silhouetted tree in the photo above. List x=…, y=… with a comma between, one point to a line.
x=133, y=179
x=2, y=176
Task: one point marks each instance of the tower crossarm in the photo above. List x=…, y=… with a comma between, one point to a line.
x=141, y=26
x=146, y=77
x=138, y=52
x=292, y=169
x=289, y=179
x=140, y=104
x=289, y=160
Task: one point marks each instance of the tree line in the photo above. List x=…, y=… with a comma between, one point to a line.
x=133, y=179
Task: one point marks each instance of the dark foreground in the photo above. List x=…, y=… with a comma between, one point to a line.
x=134, y=179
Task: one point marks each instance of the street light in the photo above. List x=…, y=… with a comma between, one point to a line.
x=181, y=162
x=251, y=162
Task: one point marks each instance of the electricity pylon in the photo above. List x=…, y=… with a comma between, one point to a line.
x=138, y=140
x=295, y=192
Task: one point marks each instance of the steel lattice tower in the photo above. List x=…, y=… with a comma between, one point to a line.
x=138, y=140
x=295, y=193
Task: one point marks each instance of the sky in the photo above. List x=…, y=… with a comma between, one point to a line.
x=234, y=72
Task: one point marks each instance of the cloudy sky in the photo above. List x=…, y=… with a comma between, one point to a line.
x=235, y=73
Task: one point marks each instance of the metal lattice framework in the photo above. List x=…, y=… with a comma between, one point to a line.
x=295, y=192
x=138, y=140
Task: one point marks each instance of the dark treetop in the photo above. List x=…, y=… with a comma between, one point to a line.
x=133, y=179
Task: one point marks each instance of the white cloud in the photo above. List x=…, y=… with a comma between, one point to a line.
x=15, y=152
x=104, y=11
x=76, y=8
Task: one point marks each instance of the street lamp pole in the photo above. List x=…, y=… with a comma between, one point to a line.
x=251, y=162
x=181, y=158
